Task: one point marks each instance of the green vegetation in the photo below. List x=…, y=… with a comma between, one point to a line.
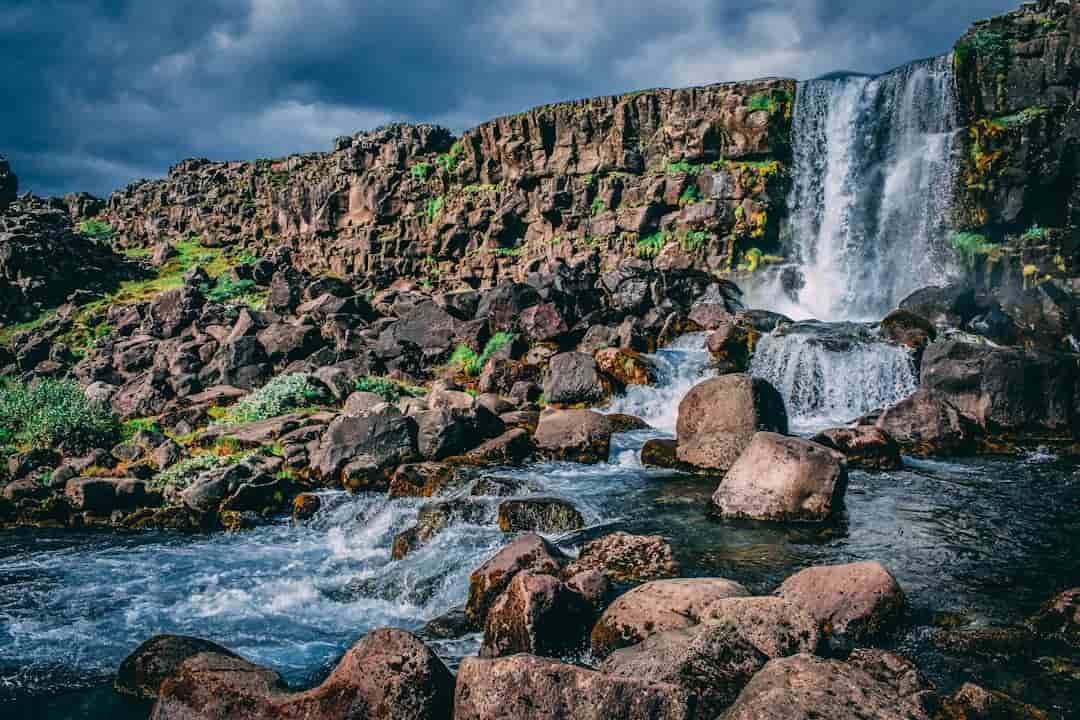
x=507, y=252
x=971, y=245
x=1024, y=117
x=226, y=289
x=763, y=101
x=690, y=196
x=54, y=414
x=136, y=425
x=649, y=247
x=449, y=161
x=683, y=166
x=420, y=171
x=434, y=207
x=598, y=206
x=1034, y=234
x=185, y=472
x=694, y=240
x=278, y=397
x=390, y=390
x=992, y=48
x=96, y=229
x=466, y=359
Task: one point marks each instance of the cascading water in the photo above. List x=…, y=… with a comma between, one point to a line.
x=873, y=175
x=830, y=375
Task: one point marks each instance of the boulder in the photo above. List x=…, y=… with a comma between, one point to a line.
x=1004, y=390
x=542, y=323
x=422, y=480
x=626, y=558
x=582, y=436
x=731, y=343
x=903, y=327
x=1060, y=618
x=864, y=446
x=388, y=675
x=718, y=419
x=713, y=662
x=871, y=684
x=284, y=343
x=513, y=447
x=525, y=687
x=626, y=367
x=783, y=479
x=383, y=439
x=528, y=552
x=536, y=614
x=306, y=506
x=662, y=453
x=658, y=606
x=142, y=671
x=853, y=603
x=776, y=627
x=926, y=424
x=971, y=702
x=433, y=518
x=574, y=379
x=539, y=514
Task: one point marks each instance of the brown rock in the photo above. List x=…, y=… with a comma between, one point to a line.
x=539, y=514
x=972, y=702
x=536, y=614
x=528, y=552
x=902, y=327
x=574, y=435
x=1060, y=617
x=864, y=446
x=626, y=367
x=776, y=627
x=927, y=425
x=626, y=558
x=142, y=671
x=306, y=506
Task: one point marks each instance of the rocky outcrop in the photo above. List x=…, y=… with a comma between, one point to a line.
x=782, y=478
x=9, y=185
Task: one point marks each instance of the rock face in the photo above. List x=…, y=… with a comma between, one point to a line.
x=853, y=603
x=719, y=418
x=1004, y=389
x=656, y=607
x=530, y=688
x=389, y=675
x=871, y=684
x=783, y=479
x=9, y=185
x=567, y=181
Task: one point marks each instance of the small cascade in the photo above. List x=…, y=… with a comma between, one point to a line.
x=873, y=176
x=830, y=375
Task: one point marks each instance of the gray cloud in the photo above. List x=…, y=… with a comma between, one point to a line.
x=97, y=93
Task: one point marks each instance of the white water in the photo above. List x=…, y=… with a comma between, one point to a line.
x=872, y=190
x=824, y=386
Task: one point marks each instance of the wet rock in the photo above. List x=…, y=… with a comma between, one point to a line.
x=853, y=603
x=388, y=675
x=542, y=323
x=656, y=607
x=783, y=479
x=732, y=343
x=709, y=316
x=448, y=626
x=536, y=614
x=865, y=447
x=574, y=379
x=422, y=480
x=142, y=671
x=972, y=702
x=903, y=327
x=626, y=367
x=626, y=558
x=926, y=424
x=991, y=642
x=718, y=420
x=593, y=585
x=662, y=453
x=713, y=662
x=100, y=496
x=582, y=436
x=382, y=439
x=776, y=627
x=538, y=514
x=513, y=447
x=433, y=518
x=306, y=506
x=525, y=687
x=621, y=423
x=1060, y=618
x=871, y=684
x=528, y=552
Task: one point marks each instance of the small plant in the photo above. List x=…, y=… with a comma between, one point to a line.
x=1034, y=233
x=96, y=229
x=507, y=252
x=1024, y=117
x=971, y=245
x=226, y=289
x=279, y=396
x=694, y=240
x=690, y=196
x=598, y=206
x=448, y=161
x=390, y=390
x=434, y=207
x=650, y=247
x=420, y=171
x=185, y=472
x=683, y=166
x=466, y=359
x=763, y=101
x=136, y=425
x=54, y=413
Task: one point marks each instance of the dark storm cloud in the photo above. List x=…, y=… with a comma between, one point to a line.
x=96, y=93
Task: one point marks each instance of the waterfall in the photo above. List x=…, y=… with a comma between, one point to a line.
x=831, y=374
x=873, y=173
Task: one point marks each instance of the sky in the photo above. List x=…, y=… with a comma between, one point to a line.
x=99, y=93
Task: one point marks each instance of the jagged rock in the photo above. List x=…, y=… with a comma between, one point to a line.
x=1060, y=617
x=719, y=418
x=713, y=662
x=536, y=614
x=903, y=327
x=863, y=446
x=626, y=367
x=422, y=480
x=528, y=552
x=574, y=379
x=433, y=518
x=538, y=514
x=626, y=558
x=783, y=479
x=530, y=688
x=776, y=627
x=306, y=506
x=142, y=671
x=542, y=323
x=575, y=435
x=853, y=603
x=971, y=702
x=871, y=684
x=383, y=439
x=285, y=343
x=510, y=448
x=658, y=606
x=926, y=424
x=732, y=342
x=388, y=675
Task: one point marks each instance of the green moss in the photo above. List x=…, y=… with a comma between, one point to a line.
x=1022, y=118
x=690, y=196
x=96, y=229
x=598, y=206
x=434, y=207
x=136, y=425
x=507, y=252
x=971, y=245
x=449, y=161
x=683, y=166
x=389, y=390
x=694, y=240
x=650, y=246
x=420, y=171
